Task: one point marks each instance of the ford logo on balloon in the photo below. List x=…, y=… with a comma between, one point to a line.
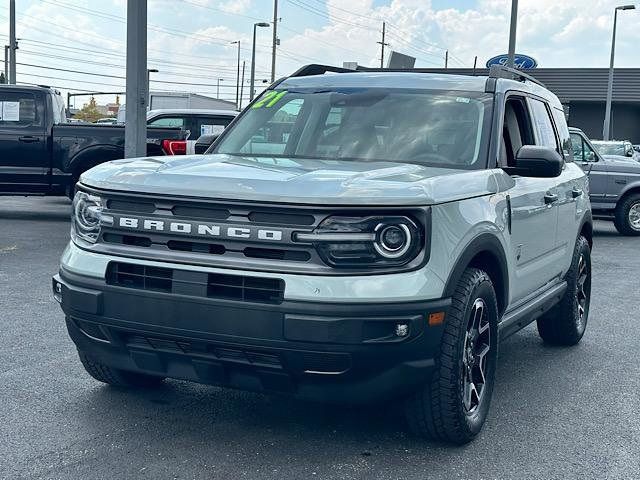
x=522, y=62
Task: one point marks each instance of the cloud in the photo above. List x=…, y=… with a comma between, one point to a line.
x=236, y=6
x=559, y=34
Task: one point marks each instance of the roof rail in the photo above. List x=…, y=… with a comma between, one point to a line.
x=317, y=69
x=500, y=71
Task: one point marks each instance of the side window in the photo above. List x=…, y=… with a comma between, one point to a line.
x=21, y=110
x=563, y=133
x=167, y=122
x=517, y=130
x=212, y=125
x=582, y=152
x=544, y=128
x=273, y=136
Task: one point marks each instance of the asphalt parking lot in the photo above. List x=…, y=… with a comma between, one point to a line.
x=556, y=413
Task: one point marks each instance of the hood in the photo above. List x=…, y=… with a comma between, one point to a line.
x=622, y=164
x=287, y=180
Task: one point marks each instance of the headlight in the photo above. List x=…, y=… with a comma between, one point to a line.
x=376, y=241
x=87, y=217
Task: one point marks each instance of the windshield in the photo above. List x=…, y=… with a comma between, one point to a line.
x=610, y=148
x=436, y=128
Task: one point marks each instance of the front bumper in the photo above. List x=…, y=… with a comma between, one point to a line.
x=331, y=352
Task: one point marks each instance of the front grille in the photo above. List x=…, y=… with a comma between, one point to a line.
x=200, y=284
x=228, y=234
x=206, y=247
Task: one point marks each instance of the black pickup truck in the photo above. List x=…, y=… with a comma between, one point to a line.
x=42, y=154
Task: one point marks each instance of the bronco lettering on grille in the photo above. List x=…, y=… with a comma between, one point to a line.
x=200, y=229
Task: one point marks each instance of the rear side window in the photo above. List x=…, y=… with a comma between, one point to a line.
x=212, y=125
x=544, y=128
x=167, y=122
x=563, y=134
x=21, y=110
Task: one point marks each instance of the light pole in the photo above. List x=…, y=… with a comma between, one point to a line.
x=607, y=112
x=238, y=76
x=149, y=72
x=253, y=57
x=512, y=33
x=218, y=87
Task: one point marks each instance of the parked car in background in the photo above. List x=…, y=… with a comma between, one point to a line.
x=614, y=183
x=42, y=154
x=107, y=121
x=196, y=122
x=622, y=148
x=181, y=100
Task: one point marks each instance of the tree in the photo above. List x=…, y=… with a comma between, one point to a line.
x=2, y=79
x=89, y=111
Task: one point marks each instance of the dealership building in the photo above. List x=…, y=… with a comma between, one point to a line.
x=583, y=92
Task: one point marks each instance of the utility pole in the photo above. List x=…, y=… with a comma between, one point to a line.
x=6, y=63
x=149, y=72
x=446, y=59
x=384, y=28
x=237, y=76
x=512, y=33
x=241, y=87
x=218, y=87
x=12, y=41
x=135, y=130
x=275, y=40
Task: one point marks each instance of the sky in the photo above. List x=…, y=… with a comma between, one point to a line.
x=79, y=45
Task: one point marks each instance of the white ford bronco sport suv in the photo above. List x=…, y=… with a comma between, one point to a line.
x=351, y=237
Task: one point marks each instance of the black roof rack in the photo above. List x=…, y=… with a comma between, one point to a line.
x=317, y=69
x=500, y=71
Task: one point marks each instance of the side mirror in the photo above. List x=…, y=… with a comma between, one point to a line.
x=535, y=161
x=204, y=142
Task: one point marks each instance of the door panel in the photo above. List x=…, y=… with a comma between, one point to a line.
x=534, y=201
x=24, y=161
x=533, y=235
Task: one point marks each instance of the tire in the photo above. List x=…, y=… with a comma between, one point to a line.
x=72, y=189
x=566, y=322
x=117, y=377
x=441, y=410
x=627, y=215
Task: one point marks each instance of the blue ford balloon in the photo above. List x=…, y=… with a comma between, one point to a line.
x=520, y=61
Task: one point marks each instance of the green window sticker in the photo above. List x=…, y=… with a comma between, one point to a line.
x=269, y=99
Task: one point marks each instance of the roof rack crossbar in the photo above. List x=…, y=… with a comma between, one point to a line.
x=500, y=71
x=317, y=69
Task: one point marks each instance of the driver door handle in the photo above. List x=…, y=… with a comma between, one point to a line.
x=550, y=198
x=576, y=192
x=28, y=139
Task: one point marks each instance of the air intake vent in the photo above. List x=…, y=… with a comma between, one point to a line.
x=140, y=276
x=199, y=284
